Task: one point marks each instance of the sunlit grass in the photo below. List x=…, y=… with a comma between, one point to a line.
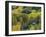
x=16, y=27
x=34, y=27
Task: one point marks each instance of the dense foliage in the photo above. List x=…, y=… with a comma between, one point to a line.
x=26, y=18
